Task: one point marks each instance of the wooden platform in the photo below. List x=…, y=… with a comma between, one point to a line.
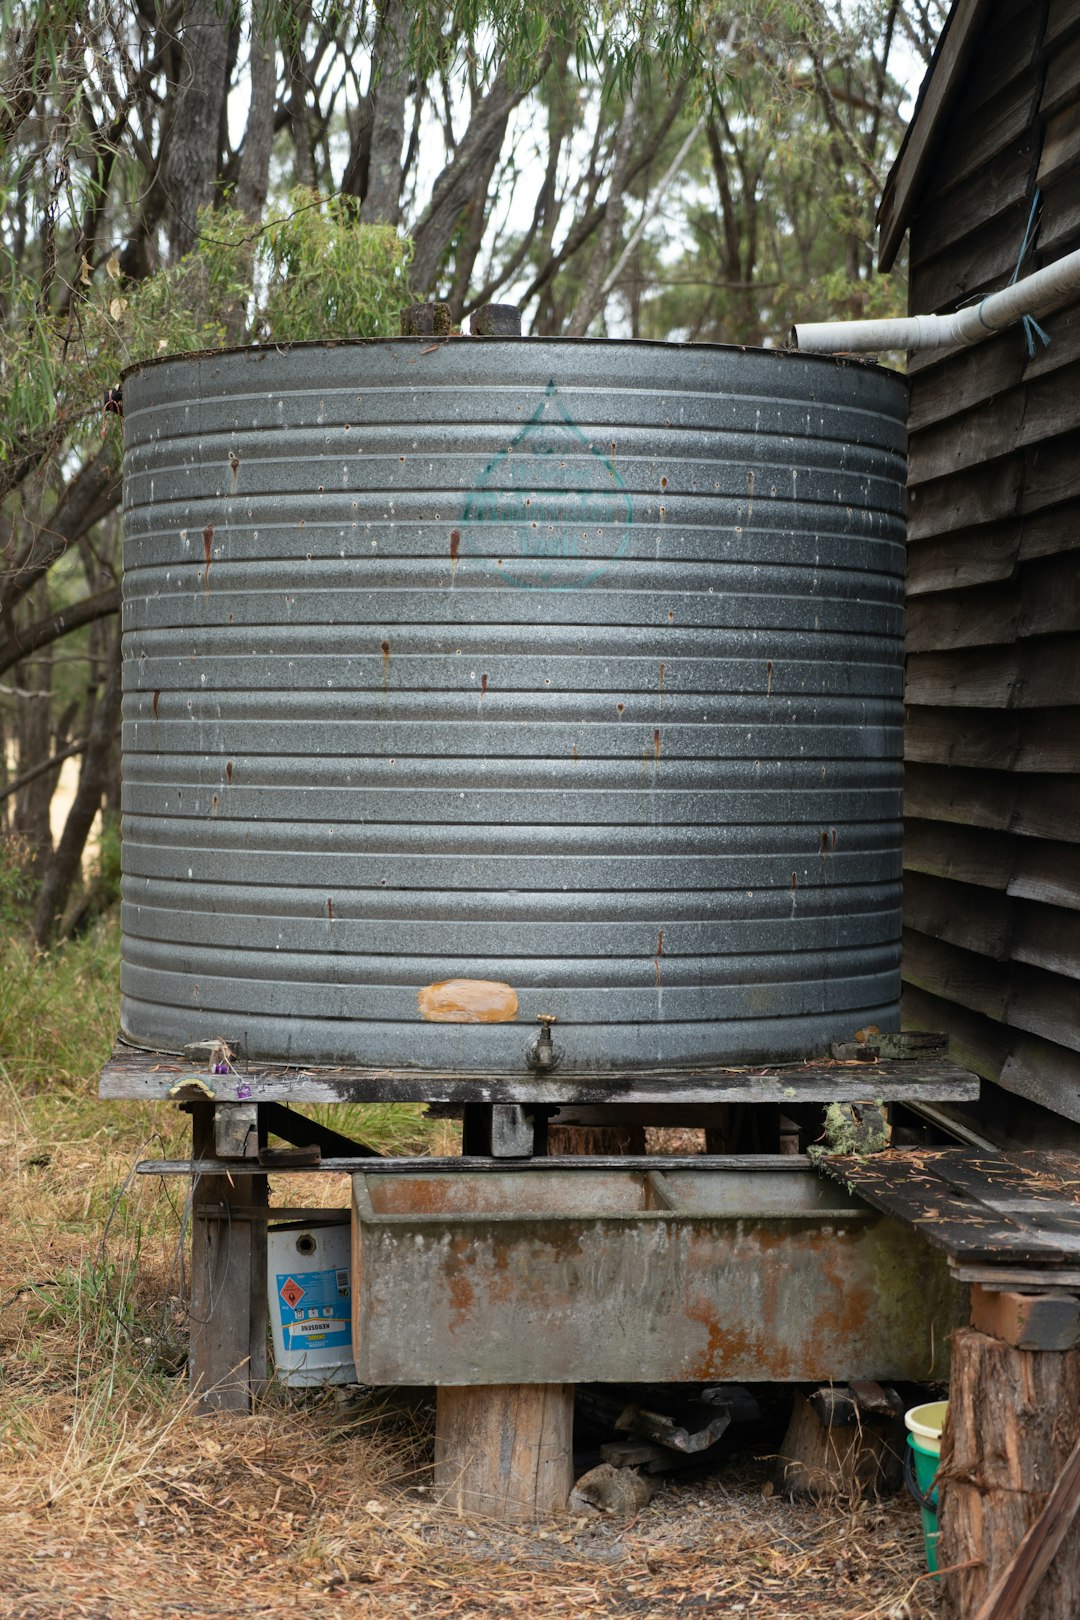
x=134, y=1073
x=1007, y=1218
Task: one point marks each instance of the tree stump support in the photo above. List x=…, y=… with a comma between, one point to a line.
x=843, y=1442
x=505, y=1451
x=1014, y=1418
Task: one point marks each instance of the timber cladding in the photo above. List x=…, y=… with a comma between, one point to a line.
x=992, y=854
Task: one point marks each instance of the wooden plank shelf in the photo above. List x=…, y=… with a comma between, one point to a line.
x=998, y=1215
x=134, y=1073
x=415, y=1164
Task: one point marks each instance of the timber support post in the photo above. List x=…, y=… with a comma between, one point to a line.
x=227, y=1354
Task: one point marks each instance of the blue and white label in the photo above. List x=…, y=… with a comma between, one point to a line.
x=315, y=1309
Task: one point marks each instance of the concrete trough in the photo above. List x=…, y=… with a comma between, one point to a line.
x=769, y=1273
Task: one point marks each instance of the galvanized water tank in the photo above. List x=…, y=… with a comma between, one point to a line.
x=478, y=680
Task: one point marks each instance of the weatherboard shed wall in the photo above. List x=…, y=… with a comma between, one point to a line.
x=992, y=805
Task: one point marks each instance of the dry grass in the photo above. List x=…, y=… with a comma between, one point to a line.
x=118, y=1503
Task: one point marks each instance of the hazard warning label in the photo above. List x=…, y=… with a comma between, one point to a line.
x=314, y=1309
x=291, y=1292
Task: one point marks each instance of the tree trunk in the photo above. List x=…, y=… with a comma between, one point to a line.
x=382, y=193
x=452, y=190
x=190, y=163
x=300, y=120
x=64, y=868
x=92, y=494
x=254, y=178
x=30, y=822
x=474, y=224
x=1014, y=1416
x=591, y=301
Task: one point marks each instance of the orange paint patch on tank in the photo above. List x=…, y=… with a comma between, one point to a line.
x=468, y=1001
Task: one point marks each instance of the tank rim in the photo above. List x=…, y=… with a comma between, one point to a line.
x=853, y=362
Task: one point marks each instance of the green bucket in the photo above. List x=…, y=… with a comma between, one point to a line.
x=925, y=1424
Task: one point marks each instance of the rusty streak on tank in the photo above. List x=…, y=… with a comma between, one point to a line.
x=207, y=541
x=468, y=1001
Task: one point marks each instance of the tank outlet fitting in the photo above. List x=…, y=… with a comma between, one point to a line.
x=542, y=1053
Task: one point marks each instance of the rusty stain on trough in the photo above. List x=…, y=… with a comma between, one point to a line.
x=468, y=1001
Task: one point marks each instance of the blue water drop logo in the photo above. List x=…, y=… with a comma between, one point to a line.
x=550, y=512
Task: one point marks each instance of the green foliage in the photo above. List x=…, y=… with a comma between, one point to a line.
x=59, y=1012
x=327, y=275
x=310, y=271
x=613, y=40
x=16, y=892
x=388, y=1127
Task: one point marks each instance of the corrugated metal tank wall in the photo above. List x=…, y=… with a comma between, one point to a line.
x=474, y=681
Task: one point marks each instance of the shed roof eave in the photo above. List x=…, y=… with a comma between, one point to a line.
x=936, y=96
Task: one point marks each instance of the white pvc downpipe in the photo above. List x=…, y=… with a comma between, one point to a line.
x=1039, y=294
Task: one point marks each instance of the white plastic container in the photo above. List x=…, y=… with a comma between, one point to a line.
x=926, y=1423
x=311, y=1304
